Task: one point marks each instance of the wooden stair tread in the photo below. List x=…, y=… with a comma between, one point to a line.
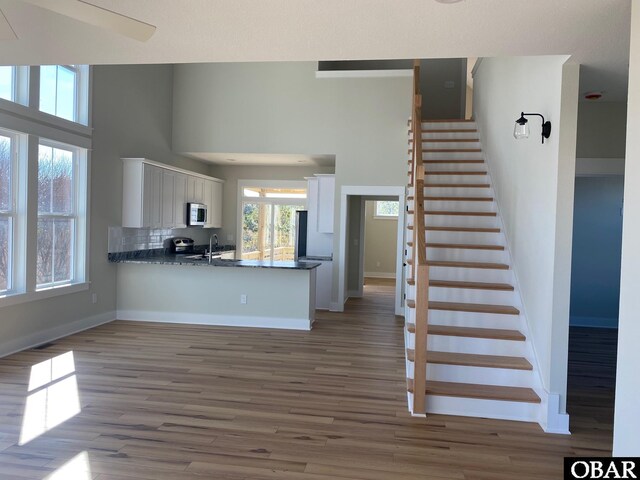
x=444, y=161
x=462, y=229
x=469, y=307
x=453, y=140
x=457, y=185
x=474, y=307
x=474, y=360
x=483, y=265
x=451, y=130
x=457, y=213
x=462, y=246
x=504, y=287
x=472, y=332
x=484, y=392
x=456, y=172
x=455, y=199
x=451, y=150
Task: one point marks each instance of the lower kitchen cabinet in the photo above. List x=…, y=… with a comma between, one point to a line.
x=324, y=283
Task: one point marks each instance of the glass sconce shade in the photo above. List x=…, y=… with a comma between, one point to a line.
x=521, y=129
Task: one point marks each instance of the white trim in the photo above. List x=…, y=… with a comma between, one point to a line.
x=51, y=334
x=25, y=297
x=215, y=320
x=172, y=168
x=380, y=274
x=370, y=191
x=364, y=73
x=354, y=294
x=556, y=422
x=476, y=66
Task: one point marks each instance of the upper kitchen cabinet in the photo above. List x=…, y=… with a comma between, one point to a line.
x=326, y=202
x=156, y=195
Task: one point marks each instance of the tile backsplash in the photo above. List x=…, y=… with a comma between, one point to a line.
x=123, y=239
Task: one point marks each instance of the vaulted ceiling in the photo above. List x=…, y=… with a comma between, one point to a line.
x=594, y=32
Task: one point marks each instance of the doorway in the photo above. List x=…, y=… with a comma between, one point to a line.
x=372, y=244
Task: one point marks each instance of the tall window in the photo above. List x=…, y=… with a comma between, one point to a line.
x=59, y=91
x=7, y=209
x=59, y=215
x=268, y=222
x=7, y=83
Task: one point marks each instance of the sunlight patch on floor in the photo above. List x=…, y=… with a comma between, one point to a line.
x=78, y=468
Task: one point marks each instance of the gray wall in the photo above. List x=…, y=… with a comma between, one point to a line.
x=597, y=245
x=439, y=102
x=231, y=175
x=132, y=114
x=602, y=129
x=380, y=242
x=282, y=108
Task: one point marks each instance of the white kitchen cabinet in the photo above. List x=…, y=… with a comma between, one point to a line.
x=152, y=197
x=324, y=283
x=326, y=202
x=156, y=195
x=213, y=200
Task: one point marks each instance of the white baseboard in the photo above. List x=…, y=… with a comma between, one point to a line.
x=354, y=294
x=597, y=322
x=379, y=274
x=215, y=320
x=51, y=334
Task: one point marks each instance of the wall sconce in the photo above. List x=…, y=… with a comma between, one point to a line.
x=521, y=129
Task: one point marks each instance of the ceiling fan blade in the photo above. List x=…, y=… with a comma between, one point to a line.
x=98, y=16
x=6, y=31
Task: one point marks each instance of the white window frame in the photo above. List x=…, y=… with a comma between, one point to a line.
x=11, y=214
x=383, y=217
x=80, y=94
x=20, y=87
x=242, y=184
x=78, y=214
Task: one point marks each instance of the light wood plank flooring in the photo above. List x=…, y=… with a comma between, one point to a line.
x=182, y=402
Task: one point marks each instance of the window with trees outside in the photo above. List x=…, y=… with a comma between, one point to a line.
x=386, y=209
x=60, y=218
x=7, y=83
x=268, y=221
x=7, y=209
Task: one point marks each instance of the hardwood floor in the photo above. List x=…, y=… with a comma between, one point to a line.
x=179, y=402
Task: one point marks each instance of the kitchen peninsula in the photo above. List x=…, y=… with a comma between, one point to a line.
x=172, y=288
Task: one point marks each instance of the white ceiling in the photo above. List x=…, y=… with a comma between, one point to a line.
x=253, y=159
x=595, y=32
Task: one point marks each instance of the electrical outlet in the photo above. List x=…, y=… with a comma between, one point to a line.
x=94, y=298
x=229, y=237
x=243, y=299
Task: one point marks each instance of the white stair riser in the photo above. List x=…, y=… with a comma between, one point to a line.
x=467, y=238
x=426, y=155
x=468, y=295
x=466, y=255
x=448, y=135
x=471, y=221
x=488, y=275
x=427, y=145
x=456, y=179
x=489, y=376
x=449, y=125
x=455, y=167
x=469, y=407
x=459, y=206
x=469, y=319
x=457, y=191
x=477, y=346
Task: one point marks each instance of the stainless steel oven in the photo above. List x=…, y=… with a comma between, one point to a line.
x=196, y=214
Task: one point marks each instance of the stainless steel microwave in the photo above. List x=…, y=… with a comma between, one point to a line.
x=196, y=214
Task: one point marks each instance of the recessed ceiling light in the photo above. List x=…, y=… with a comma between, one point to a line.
x=231, y=160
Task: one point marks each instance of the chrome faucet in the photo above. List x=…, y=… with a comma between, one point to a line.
x=211, y=245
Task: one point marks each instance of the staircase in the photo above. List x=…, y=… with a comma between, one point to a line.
x=464, y=329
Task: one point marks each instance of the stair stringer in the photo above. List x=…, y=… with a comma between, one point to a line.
x=550, y=418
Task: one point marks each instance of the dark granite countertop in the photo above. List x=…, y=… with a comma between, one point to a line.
x=161, y=257
x=317, y=258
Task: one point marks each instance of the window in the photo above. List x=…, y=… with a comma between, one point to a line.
x=386, y=209
x=268, y=219
x=7, y=209
x=63, y=91
x=7, y=83
x=61, y=206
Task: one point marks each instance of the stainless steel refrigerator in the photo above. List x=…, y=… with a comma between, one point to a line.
x=301, y=234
